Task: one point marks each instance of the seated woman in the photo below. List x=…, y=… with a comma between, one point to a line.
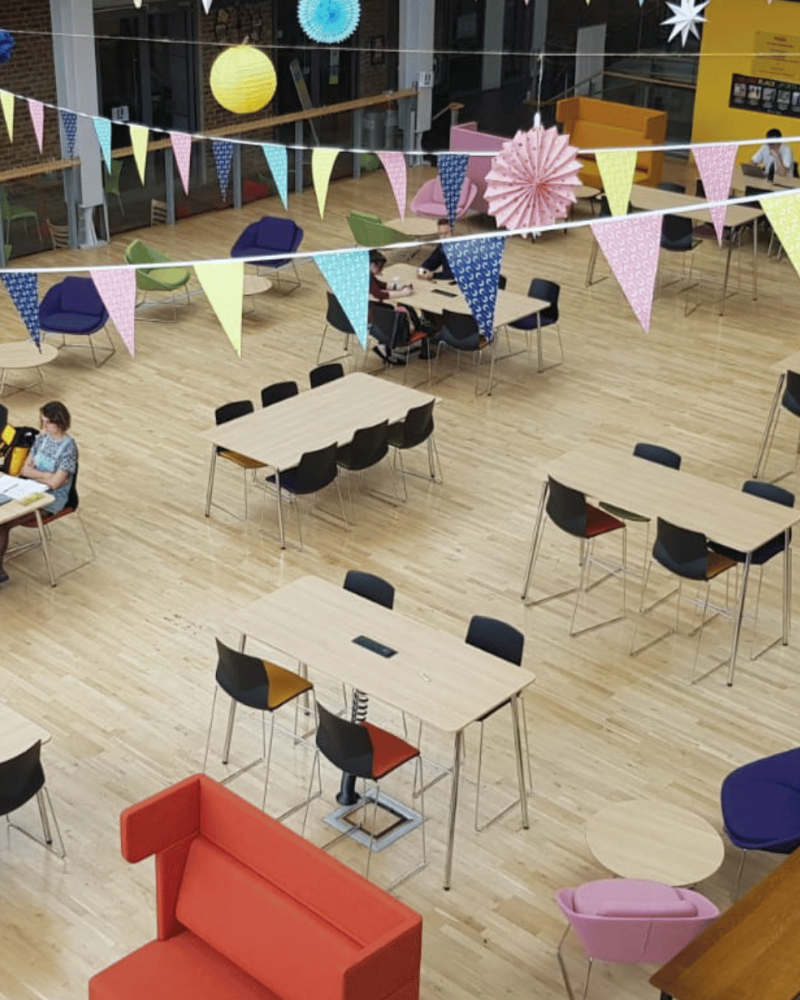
x=378, y=289
x=52, y=461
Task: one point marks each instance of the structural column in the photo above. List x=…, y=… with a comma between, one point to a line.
x=415, y=64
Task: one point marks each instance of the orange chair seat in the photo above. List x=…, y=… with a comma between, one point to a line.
x=598, y=522
x=388, y=751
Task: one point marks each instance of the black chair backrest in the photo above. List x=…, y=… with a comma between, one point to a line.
x=749, y=191
x=372, y=587
x=541, y=288
x=347, y=745
x=336, y=316
x=502, y=281
x=460, y=330
x=315, y=470
x=681, y=551
x=3, y=416
x=368, y=447
x=769, y=491
x=325, y=373
x=496, y=637
x=242, y=677
x=670, y=186
x=416, y=428
x=791, y=394
x=389, y=326
x=21, y=777
x=277, y=392
x=699, y=189
x=567, y=508
x=676, y=231
x=655, y=453
x=230, y=411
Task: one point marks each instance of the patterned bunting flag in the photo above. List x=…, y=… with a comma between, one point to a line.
x=277, y=160
x=715, y=164
x=783, y=212
x=617, y=167
x=322, y=161
x=7, y=100
x=117, y=288
x=69, y=123
x=102, y=127
x=476, y=267
x=36, y=109
x=631, y=246
x=139, y=137
x=23, y=287
x=394, y=163
x=347, y=272
x=223, y=282
x=452, y=171
x=182, y=148
x=223, y=157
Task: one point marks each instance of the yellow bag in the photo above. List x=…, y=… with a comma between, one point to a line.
x=21, y=443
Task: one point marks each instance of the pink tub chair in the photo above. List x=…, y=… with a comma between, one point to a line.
x=429, y=200
x=631, y=921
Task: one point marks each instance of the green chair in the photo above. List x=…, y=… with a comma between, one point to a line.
x=369, y=231
x=111, y=183
x=156, y=279
x=11, y=213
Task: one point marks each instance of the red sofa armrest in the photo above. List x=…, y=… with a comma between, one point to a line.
x=161, y=821
x=389, y=967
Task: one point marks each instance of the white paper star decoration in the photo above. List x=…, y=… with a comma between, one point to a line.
x=686, y=16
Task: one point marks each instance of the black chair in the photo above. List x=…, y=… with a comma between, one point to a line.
x=325, y=373
x=368, y=585
x=222, y=414
x=677, y=236
x=22, y=779
x=337, y=318
x=259, y=684
x=460, y=331
x=670, y=186
x=569, y=510
x=549, y=291
x=508, y=643
x=416, y=429
x=316, y=470
x=392, y=329
x=789, y=401
x=370, y=753
x=369, y=446
x=277, y=392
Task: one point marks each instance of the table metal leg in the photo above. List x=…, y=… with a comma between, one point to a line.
x=787, y=585
x=769, y=430
x=727, y=273
x=280, y=511
x=45, y=550
x=535, y=539
x=755, y=258
x=451, y=824
x=737, y=622
x=211, y=472
x=523, y=793
x=539, y=359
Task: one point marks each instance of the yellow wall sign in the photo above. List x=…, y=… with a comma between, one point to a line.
x=776, y=56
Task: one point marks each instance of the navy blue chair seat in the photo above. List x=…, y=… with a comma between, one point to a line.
x=270, y=236
x=761, y=804
x=73, y=307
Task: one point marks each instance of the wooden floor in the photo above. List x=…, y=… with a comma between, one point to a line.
x=118, y=660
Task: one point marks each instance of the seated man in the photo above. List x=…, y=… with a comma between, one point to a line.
x=775, y=157
x=436, y=266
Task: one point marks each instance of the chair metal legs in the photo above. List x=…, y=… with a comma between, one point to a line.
x=45, y=803
x=563, y=967
x=434, y=466
x=210, y=487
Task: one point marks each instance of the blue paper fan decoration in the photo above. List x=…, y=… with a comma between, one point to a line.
x=328, y=21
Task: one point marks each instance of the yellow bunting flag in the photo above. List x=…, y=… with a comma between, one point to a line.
x=783, y=212
x=616, y=168
x=7, y=100
x=222, y=282
x=322, y=161
x=139, y=136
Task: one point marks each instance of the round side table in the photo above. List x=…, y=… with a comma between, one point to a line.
x=254, y=284
x=24, y=354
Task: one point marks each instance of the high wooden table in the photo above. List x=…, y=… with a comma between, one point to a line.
x=734, y=519
x=740, y=181
x=750, y=952
x=279, y=435
x=785, y=365
x=19, y=354
x=435, y=676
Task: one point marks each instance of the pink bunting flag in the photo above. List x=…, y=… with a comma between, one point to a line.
x=182, y=148
x=117, y=289
x=394, y=164
x=36, y=109
x=715, y=164
x=631, y=244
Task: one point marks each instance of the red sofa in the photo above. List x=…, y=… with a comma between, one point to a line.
x=248, y=910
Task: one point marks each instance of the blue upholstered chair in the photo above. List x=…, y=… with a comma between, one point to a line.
x=271, y=237
x=74, y=308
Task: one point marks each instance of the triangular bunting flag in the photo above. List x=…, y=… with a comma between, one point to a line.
x=207, y=5
x=452, y=171
x=223, y=282
x=69, y=123
x=36, y=109
x=23, y=287
x=277, y=160
x=7, y=100
x=476, y=267
x=102, y=127
x=347, y=272
x=117, y=288
x=783, y=212
x=394, y=163
x=715, y=164
x=139, y=137
x=631, y=246
x=223, y=157
x=182, y=149
x=617, y=167
x=322, y=161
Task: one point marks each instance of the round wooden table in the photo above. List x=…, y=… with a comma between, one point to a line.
x=654, y=840
x=254, y=284
x=24, y=354
x=418, y=226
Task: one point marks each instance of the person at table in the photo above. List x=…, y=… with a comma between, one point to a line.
x=53, y=462
x=775, y=157
x=378, y=289
x=437, y=266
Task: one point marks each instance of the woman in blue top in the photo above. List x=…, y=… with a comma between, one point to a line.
x=53, y=461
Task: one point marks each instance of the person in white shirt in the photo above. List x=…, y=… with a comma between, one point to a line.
x=775, y=157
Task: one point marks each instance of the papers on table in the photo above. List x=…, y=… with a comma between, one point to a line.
x=18, y=489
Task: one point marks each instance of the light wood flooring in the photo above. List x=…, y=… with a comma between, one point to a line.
x=118, y=661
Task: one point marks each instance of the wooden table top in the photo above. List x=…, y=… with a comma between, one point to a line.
x=25, y=354
x=14, y=508
x=414, y=225
x=791, y=363
x=434, y=675
x=654, y=840
x=280, y=434
x=740, y=181
x=653, y=199
x=255, y=284
x=726, y=515
x=750, y=952
x=17, y=733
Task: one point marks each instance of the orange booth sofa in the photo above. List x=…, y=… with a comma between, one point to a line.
x=593, y=124
x=248, y=910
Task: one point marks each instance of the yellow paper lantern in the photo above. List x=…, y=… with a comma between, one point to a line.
x=243, y=79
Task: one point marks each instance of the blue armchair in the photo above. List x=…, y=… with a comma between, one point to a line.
x=74, y=308
x=272, y=237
